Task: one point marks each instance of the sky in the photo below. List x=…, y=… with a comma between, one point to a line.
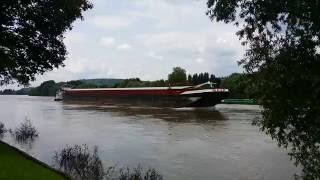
x=146, y=39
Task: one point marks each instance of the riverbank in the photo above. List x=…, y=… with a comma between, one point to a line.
x=16, y=164
x=239, y=101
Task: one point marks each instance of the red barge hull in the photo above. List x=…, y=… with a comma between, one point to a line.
x=156, y=97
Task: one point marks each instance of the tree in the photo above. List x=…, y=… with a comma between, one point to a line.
x=178, y=76
x=283, y=57
x=190, y=80
x=47, y=88
x=206, y=77
x=201, y=78
x=31, y=36
x=8, y=92
x=195, y=79
x=237, y=84
x=158, y=83
x=212, y=78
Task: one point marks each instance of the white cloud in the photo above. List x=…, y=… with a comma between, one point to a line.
x=173, y=40
x=200, y=60
x=192, y=44
x=107, y=41
x=124, y=47
x=73, y=38
x=111, y=22
x=153, y=55
x=221, y=41
x=168, y=13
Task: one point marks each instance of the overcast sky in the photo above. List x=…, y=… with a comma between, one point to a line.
x=146, y=39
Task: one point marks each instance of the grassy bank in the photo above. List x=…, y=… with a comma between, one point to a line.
x=16, y=165
x=239, y=101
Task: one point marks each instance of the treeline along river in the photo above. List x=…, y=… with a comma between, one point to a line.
x=184, y=143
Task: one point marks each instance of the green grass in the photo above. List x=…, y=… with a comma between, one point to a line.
x=239, y=101
x=15, y=165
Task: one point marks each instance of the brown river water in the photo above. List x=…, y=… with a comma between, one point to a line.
x=185, y=143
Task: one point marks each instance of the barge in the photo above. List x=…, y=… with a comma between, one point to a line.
x=203, y=95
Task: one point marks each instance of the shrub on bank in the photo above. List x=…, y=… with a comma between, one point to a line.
x=2, y=129
x=138, y=173
x=80, y=163
x=26, y=131
x=133, y=173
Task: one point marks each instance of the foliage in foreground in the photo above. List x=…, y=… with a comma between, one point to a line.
x=283, y=57
x=25, y=132
x=80, y=163
x=31, y=36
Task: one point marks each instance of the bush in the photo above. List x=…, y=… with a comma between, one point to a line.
x=79, y=162
x=26, y=131
x=2, y=129
x=139, y=174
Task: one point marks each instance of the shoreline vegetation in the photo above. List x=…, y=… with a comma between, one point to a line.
x=72, y=162
x=240, y=101
x=237, y=83
x=75, y=162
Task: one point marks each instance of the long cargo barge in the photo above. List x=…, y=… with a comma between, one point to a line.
x=181, y=96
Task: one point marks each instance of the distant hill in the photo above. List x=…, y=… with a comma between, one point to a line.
x=102, y=82
x=49, y=88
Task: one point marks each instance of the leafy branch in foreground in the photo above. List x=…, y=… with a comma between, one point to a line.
x=31, y=36
x=283, y=60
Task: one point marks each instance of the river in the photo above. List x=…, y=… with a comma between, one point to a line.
x=185, y=143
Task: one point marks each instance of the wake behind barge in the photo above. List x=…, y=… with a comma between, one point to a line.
x=203, y=95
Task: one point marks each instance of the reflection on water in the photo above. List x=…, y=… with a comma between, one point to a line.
x=184, y=143
x=183, y=115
